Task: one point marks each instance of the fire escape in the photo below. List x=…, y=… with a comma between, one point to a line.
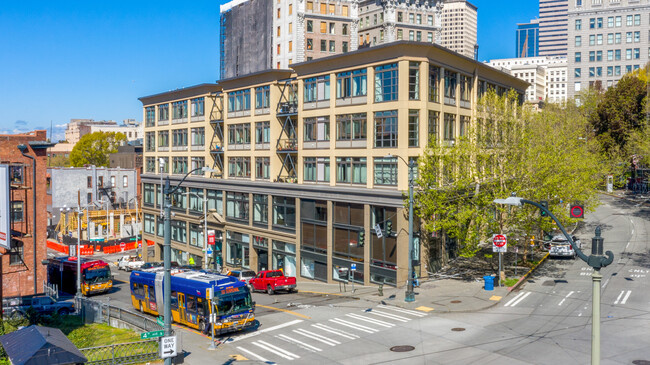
x=287, y=145
x=216, y=144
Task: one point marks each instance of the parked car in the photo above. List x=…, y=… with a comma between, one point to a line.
x=17, y=306
x=559, y=246
x=272, y=281
x=129, y=263
x=243, y=275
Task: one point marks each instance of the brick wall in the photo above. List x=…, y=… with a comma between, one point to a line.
x=18, y=278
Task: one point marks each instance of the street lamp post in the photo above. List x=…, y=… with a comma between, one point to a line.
x=596, y=260
x=167, y=250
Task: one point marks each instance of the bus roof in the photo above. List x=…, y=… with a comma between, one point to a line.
x=190, y=281
x=72, y=260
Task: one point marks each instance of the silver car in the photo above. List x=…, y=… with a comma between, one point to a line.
x=560, y=247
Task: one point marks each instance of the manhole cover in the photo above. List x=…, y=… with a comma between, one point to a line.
x=405, y=348
x=641, y=362
x=455, y=301
x=458, y=329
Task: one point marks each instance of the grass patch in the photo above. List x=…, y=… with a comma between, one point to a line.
x=97, y=334
x=510, y=281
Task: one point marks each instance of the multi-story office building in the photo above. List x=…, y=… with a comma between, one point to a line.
x=310, y=160
x=547, y=76
x=258, y=35
x=553, y=27
x=78, y=128
x=459, y=27
x=527, y=39
x=606, y=40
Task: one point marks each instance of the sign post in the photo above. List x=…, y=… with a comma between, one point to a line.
x=353, y=268
x=168, y=347
x=500, y=245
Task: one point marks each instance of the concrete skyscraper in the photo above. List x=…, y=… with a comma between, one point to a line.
x=553, y=27
x=459, y=27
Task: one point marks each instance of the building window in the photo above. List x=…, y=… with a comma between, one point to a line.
x=323, y=45
x=618, y=21
x=411, y=35
x=323, y=27
x=125, y=181
x=348, y=222
x=414, y=80
x=163, y=112
x=383, y=250
x=148, y=194
x=344, y=29
x=262, y=132
x=262, y=97
x=578, y=57
x=599, y=23
x=149, y=223
x=198, y=136
x=386, y=82
x=317, y=129
x=284, y=212
x=317, y=88
x=400, y=34
x=450, y=87
x=434, y=117
x=310, y=44
x=179, y=165
x=237, y=206
x=179, y=109
x=239, y=134
x=163, y=139
x=464, y=125
x=215, y=200
x=196, y=236
x=313, y=218
x=150, y=165
x=351, y=84
x=414, y=128
x=344, y=47
x=310, y=26
x=179, y=231
x=577, y=73
x=197, y=164
x=16, y=254
x=113, y=182
x=386, y=171
x=351, y=170
x=17, y=211
x=179, y=138
x=317, y=169
x=198, y=107
x=239, y=167
x=260, y=209
x=150, y=141
x=196, y=200
x=578, y=24
x=637, y=19
x=351, y=127
x=578, y=41
x=237, y=249
x=239, y=100
x=386, y=128
x=150, y=116
x=465, y=89
x=450, y=124
x=262, y=168
x=434, y=84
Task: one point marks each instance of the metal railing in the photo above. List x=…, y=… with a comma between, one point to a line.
x=99, y=312
x=123, y=353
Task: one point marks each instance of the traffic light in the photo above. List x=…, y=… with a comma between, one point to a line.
x=543, y=203
x=362, y=238
x=389, y=228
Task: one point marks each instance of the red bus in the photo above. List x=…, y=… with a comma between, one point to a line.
x=95, y=275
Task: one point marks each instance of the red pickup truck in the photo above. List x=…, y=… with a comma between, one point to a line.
x=272, y=281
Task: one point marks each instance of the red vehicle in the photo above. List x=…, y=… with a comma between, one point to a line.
x=96, y=276
x=272, y=281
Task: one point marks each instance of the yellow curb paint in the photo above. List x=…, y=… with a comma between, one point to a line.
x=424, y=309
x=238, y=357
x=284, y=310
x=495, y=297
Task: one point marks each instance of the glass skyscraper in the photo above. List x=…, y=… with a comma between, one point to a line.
x=527, y=39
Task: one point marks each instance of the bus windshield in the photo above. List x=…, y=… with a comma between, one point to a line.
x=95, y=276
x=234, y=303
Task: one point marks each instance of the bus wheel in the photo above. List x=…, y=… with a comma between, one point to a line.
x=269, y=290
x=202, y=327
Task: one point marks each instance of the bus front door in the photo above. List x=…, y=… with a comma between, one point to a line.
x=181, y=307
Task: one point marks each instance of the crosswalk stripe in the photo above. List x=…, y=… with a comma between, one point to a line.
x=627, y=295
x=276, y=350
x=299, y=343
x=390, y=315
x=513, y=299
x=374, y=321
x=317, y=337
x=517, y=300
x=260, y=358
x=341, y=333
x=354, y=325
x=259, y=332
x=402, y=310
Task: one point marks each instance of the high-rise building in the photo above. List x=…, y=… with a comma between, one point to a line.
x=607, y=39
x=257, y=35
x=459, y=27
x=553, y=27
x=309, y=161
x=547, y=76
x=527, y=39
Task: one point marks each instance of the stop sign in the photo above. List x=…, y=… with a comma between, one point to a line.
x=122, y=246
x=499, y=240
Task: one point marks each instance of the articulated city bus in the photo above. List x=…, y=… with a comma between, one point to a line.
x=95, y=275
x=191, y=302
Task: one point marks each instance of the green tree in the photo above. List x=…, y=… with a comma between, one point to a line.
x=58, y=161
x=94, y=148
x=540, y=156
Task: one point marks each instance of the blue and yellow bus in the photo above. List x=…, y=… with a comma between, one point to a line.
x=190, y=300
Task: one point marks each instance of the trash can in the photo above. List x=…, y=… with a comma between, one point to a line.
x=489, y=282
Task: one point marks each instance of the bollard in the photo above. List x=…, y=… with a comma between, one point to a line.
x=380, y=288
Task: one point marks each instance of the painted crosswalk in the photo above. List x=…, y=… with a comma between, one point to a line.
x=517, y=299
x=623, y=297
x=283, y=344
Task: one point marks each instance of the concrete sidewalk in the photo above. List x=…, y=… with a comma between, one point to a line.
x=442, y=295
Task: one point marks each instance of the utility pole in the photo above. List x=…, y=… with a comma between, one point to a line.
x=410, y=295
x=78, y=295
x=167, y=262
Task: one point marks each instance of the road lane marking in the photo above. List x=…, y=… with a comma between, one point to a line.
x=373, y=321
x=565, y=298
x=605, y=283
x=619, y=297
x=258, y=332
x=299, y=343
x=514, y=301
x=354, y=325
x=341, y=333
x=401, y=310
x=317, y=337
x=276, y=350
x=260, y=358
x=390, y=315
x=626, y=296
x=284, y=310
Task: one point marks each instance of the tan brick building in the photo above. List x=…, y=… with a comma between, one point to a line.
x=22, y=271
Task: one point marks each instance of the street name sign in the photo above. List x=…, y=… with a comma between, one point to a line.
x=378, y=231
x=167, y=347
x=152, y=334
x=160, y=321
x=499, y=243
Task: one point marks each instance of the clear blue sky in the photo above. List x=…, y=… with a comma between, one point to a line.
x=94, y=59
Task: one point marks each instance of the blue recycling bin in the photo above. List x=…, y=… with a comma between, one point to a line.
x=489, y=282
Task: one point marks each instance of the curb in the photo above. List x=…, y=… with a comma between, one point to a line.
x=526, y=275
